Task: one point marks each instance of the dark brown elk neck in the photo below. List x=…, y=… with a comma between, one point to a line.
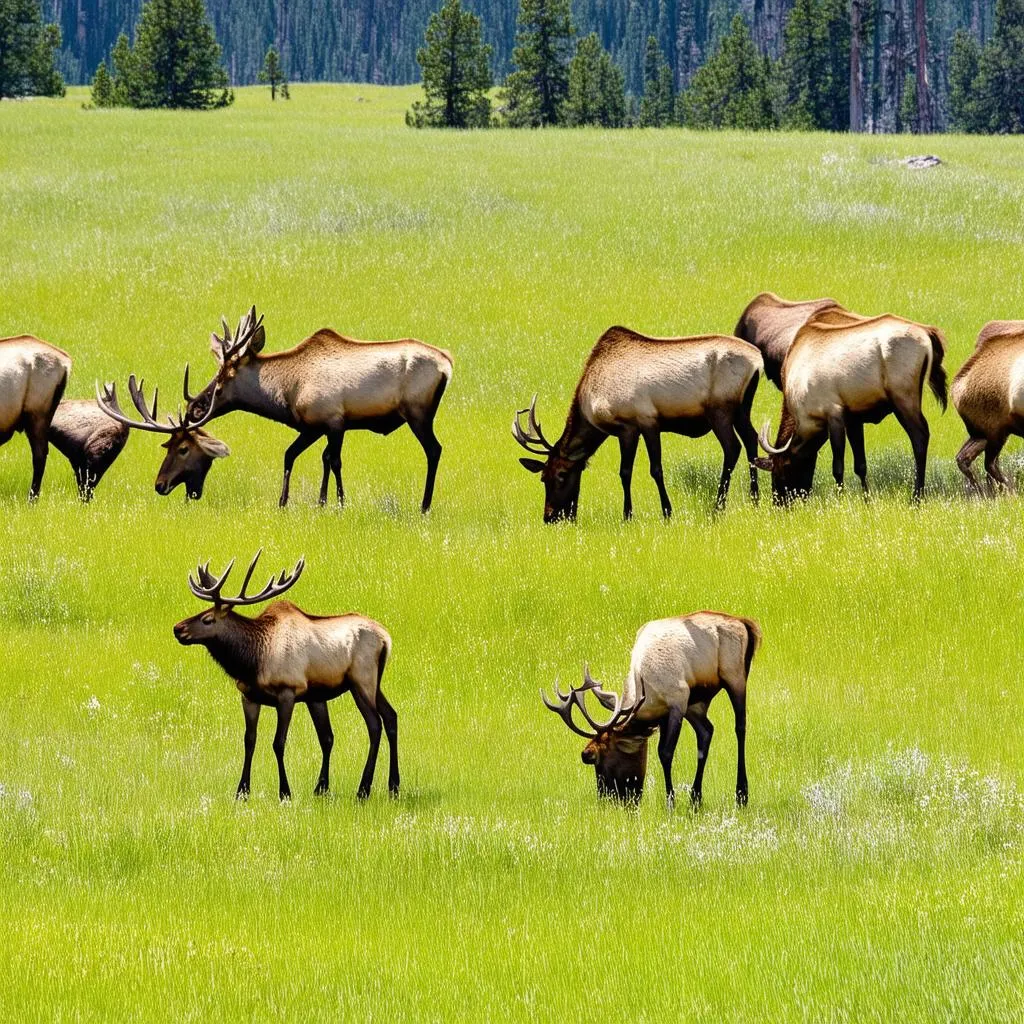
x=580, y=436
x=239, y=647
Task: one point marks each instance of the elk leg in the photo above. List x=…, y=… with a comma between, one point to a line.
x=748, y=435
x=837, y=439
x=293, y=451
x=629, y=440
x=652, y=439
x=739, y=710
x=971, y=449
x=721, y=425
x=40, y=449
x=322, y=723
x=424, y=433
x=992, y=469
x=668, y=737
x=373, y=727
x=916, y=426
x=704, y=730
x=332, y=464
x=251, y=710
x=855, y=435
x=390, y=719
x=285, y=706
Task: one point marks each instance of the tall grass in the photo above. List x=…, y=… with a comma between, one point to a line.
x=876, y=874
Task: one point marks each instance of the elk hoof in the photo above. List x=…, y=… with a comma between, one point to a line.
x=321, y=788
x=242, y=793
x=741, y=798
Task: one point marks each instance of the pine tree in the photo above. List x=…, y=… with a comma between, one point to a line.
x=536, y=90
x=734, y=88
x=272, y=75
x=963, y=74
x=27, y=51
x=656, y=107
x=815, y=66
x=177, y=57
x=102, y=87
x=127, y=87
x=456, y=69
x=597, y=93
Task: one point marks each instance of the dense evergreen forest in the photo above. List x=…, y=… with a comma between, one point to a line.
x=376, y=40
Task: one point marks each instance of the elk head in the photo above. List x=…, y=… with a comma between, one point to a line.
x=560, y=472
x=619, y=760
x=213, y=625
x=190, y=450
x=231, y=353
x=791, y=468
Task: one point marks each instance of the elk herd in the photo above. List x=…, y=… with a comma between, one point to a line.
x=837, y=371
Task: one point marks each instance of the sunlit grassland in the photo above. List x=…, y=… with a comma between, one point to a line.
x=876, y=874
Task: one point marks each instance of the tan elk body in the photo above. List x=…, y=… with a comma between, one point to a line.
x=634, y=386
x=325, y=386
x=988, y=393
x=33, y=375
x=843, y=371
x=286, y=656
x=771, y=324
x=677, y=667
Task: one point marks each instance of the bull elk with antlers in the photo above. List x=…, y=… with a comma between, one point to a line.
x=843, y=371
x=285, y=657
x=635, y=387
x=325, y=386
x=190, y=450
x=33, y=375
x=677, y=667
x=988, y=393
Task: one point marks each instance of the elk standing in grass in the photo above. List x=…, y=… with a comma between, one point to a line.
x=89, y=439
x=988, y=393
x=635, y=387
x=190, y=450
x=841, y=372
x=325, y=386
x=33, y=375
x=772, y=323
x=285, y=657
x=677, y=667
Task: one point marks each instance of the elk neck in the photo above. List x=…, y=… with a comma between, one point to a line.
x=259, y=386
x=239, y=647
x=579, y=435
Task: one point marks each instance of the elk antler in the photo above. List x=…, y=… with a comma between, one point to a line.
x=232, y=347
x=534, y=442
x=207, y=587
x=620, y=718
x=107, y=401
x=762, y=439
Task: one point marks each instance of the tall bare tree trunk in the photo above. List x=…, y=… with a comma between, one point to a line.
x=856, y=78
x=924, y=106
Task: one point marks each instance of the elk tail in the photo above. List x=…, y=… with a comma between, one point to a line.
x=937, y=373
x=753, y=643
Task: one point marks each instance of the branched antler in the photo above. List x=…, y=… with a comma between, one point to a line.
x=532, y=439
x=207, y=587
x=576, y=698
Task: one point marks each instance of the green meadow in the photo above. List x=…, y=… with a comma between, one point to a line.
x=878, y=871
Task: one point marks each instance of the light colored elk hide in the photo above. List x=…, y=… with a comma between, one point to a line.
x=988, y=391
x=33, y=374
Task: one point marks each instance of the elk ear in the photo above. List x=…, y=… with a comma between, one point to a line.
x=259, y=339
x=211, y=446
x=533, y=465
x=762, y=463
x=216, y=349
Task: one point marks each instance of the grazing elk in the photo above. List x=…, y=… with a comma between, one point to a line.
x=841, y=372
x=89, y=439
x=33, y=375
x=284, y=656
x=677, y=667
x=988, y=393
x=190, y=450
x=633, y=386
x=325, y=386
x=772, y=323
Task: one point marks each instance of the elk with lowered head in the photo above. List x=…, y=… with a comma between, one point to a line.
x=89, y=439
x=33, y=375
x=677, y=667
x=325, y=386
x=988, y=393
x=190, y=450
x=771, y=324
x=635, y=387
x=285, y=657
x=841, y=372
